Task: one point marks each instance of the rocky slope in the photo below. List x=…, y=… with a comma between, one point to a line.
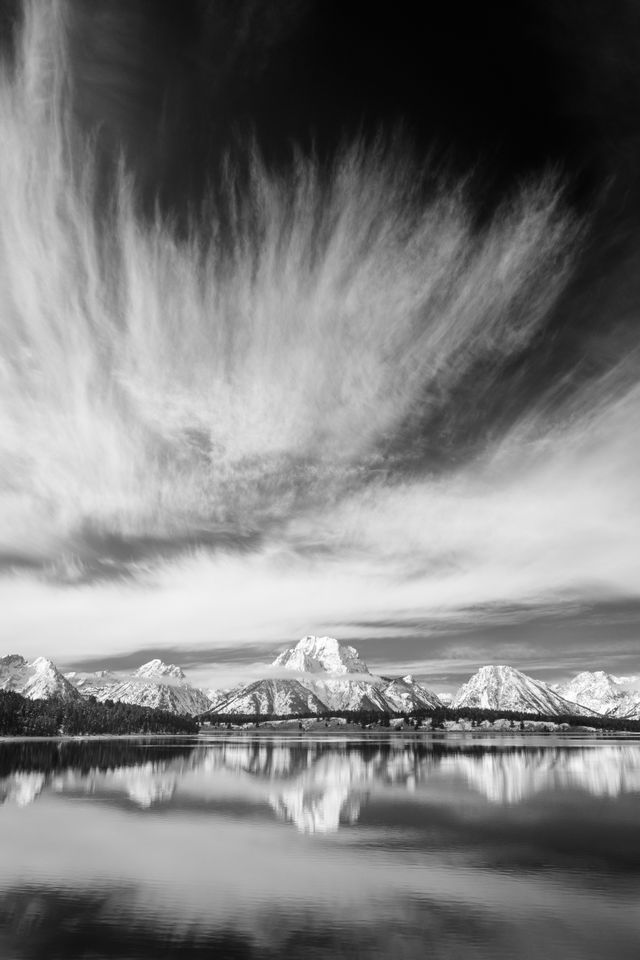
x=270, y=696
x=505, y=688
x=37, y=679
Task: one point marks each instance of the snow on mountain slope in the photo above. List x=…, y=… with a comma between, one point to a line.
x=217, y=694
x=37, y=680
x=406, y=694
x=271, y=696
x=505, y=688
x=330, y=665
x=155, y=669
x=346, y=694
x=600, y=692
x=321, y=655
x=158, y=685
x=342, y=680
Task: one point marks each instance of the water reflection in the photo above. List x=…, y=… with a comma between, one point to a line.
x=248, y=848
x=317, y=786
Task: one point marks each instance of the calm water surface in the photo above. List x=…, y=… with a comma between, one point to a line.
x=241, y=848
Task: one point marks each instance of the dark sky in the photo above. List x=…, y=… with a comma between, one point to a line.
x=511, y=87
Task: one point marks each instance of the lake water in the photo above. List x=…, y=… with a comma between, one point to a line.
x=250, y=847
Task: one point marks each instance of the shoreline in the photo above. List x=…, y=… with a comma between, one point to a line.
x=329, y=732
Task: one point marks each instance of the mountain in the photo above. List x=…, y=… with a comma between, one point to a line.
x=216, y=694
x=271, y=696
x=505, y=688
x=162, y=686
x=340, y=678
x=321, y=655
x=333, y=677
x=324, y=676
x=38, y=679
x=599, y=692
x=406, y=694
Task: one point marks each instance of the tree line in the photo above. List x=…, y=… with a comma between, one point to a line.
x=437, y=717
x=21, y=717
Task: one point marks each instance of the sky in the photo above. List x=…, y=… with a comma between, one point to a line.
x=320, y=318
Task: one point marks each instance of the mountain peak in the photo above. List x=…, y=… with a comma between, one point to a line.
x=157, y=668
x=44, y=665
x=13, y=660
x=498, y=670
x=321, y=655
x=500, y=687
x=37, y=680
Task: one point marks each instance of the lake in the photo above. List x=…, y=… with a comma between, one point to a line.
x=238, y=846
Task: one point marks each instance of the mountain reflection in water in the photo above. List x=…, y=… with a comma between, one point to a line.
x=489, y=848
x=318, y=785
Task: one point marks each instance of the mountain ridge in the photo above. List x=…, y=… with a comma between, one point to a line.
x=321, y=675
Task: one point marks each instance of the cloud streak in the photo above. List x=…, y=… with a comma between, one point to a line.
x=159, y=391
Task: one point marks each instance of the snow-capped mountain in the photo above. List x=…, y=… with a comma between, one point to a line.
x=599, y=692
x=321, y=655
x=505, y=688
x=37, y=679
x=343, y=681
x=325, y=676
x=334, y=677
x=271, y=696
x=162, y=686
